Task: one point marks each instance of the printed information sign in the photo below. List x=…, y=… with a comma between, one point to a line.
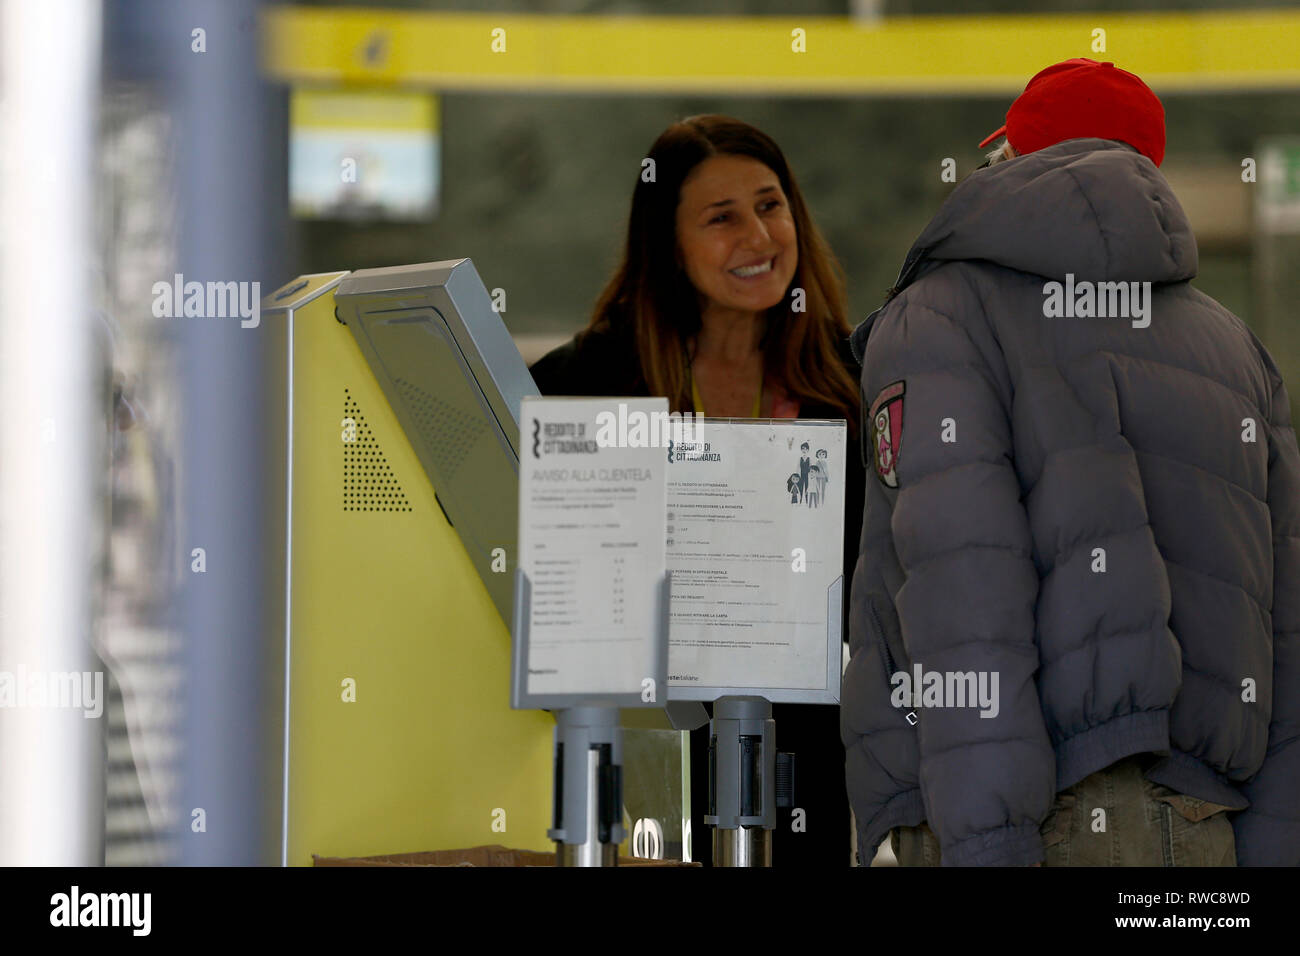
x=755, y=548
x=592, y=543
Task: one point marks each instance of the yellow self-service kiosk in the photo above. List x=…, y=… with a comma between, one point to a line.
x=399, y=733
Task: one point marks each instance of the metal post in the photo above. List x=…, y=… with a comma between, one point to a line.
x=588, y=813
x=742, y=781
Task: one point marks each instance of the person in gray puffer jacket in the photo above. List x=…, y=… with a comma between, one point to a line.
x=1081, y=538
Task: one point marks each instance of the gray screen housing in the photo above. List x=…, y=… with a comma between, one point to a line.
x=454, y=379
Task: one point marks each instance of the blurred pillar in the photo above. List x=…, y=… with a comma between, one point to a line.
x=226, y=161
x=1276, y=259
x=51, y=739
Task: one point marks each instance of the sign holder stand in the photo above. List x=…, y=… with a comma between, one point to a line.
x=749, y=779
x=587, y=816
x=742, y=781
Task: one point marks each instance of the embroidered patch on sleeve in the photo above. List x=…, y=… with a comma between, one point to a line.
x=886, y=418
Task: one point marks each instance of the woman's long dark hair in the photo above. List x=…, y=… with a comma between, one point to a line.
x=652, y=298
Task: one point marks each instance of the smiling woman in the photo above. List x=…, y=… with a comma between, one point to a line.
x=728, y=300
x=737, y=244
x=729, y=303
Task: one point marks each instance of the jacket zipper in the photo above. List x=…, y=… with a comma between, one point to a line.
x=884, y=640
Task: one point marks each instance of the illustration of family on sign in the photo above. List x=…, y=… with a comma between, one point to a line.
x=807, y=486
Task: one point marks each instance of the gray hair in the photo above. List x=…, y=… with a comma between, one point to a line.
x=1003, y=150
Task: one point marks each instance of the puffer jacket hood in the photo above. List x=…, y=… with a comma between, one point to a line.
x=1100, y=516
x=1094, y=208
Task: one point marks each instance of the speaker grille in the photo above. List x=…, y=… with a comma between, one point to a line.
x=368, y=482
x=456, y=434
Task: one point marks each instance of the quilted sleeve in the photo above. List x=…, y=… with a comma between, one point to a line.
x=1268, y=832
x=941, y=443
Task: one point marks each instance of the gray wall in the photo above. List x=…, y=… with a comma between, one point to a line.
x=536, y=187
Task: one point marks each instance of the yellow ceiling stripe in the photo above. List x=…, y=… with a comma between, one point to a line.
x=986, y=54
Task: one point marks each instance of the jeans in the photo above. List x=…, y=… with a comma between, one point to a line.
x=1116, y=817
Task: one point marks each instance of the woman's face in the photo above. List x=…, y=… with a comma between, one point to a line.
x=735, y=234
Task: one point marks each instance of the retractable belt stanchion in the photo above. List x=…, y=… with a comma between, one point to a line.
x=593, y=532
x=588, y=825
x=587, y=807
x=744, y=772
x=587, y=816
